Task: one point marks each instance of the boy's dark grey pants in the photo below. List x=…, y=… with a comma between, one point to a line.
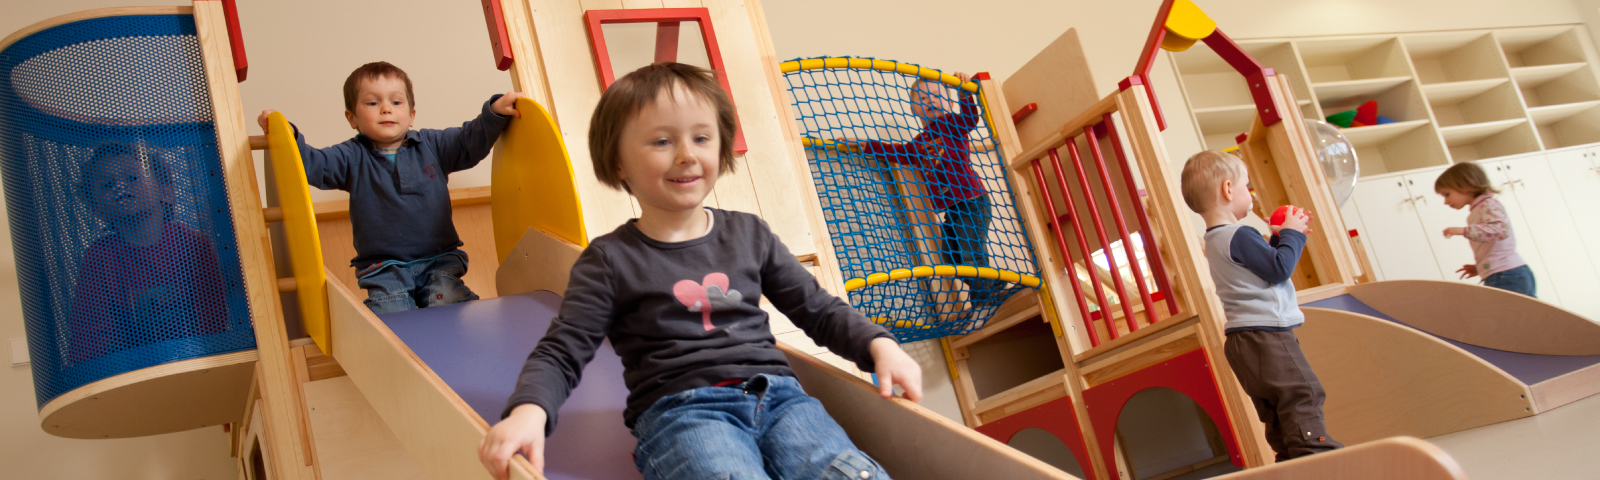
x=1286, y=393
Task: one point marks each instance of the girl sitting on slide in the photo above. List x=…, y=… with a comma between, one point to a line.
x=676, y=291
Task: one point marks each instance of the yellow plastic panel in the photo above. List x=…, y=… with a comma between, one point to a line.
x=299, y=229
x=532, y=182
x=1186, y=24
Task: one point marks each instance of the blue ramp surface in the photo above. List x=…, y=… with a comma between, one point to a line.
x=478, y=348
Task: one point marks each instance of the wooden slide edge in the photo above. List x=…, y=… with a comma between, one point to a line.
x=1483, y=316
x=906, y=438
x=1398, y=458
x=539, y=261
x=438, y=429
x=1383, y=379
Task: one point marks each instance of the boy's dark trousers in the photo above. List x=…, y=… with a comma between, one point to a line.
x=1286, y=393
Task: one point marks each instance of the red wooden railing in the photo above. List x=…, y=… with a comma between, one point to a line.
x=1090, y=214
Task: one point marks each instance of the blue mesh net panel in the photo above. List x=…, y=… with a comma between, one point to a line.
x=915, y=197
x=125, y=247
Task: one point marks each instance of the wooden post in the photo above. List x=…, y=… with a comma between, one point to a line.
x=1192, y=276
x=280, y=393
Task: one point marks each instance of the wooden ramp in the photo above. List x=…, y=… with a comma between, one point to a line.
x=1426, y=358
x=438, y=378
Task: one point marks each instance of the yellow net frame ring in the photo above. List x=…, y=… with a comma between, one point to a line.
x=948, y=271
x=882, y=65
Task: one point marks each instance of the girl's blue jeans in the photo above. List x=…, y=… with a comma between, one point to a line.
x=764, y=428
x=1519, y=280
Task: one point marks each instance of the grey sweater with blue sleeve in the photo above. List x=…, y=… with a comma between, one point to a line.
x=1252, y=276
x=400, y=210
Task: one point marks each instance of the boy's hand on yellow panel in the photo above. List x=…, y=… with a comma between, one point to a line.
x=506, y=105
x=522, y=431
x=262, y=120
x=896, y=368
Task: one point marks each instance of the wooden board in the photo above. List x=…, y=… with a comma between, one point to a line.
x=1400, y=458
x=165, y=398
x=539, y=261
x=1483, y=316
x=1384, y=379
x=352, y=441
x=910, y=441
x=439, y=431
x=1566, y=389
x=1191, y=285
x=280, y=393
x=1058, y=79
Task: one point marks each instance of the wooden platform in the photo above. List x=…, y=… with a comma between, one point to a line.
x=1428, y=358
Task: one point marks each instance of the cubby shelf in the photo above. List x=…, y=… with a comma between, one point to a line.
x=1544, y=73
x=1379, y=134
x=1456, y=96
x=1555, y=113
x=1457, y=91
x=1334, y=92
x=1468, y=134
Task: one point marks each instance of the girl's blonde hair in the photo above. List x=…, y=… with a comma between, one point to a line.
x=1466, y=178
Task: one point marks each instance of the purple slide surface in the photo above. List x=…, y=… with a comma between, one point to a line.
x=1526, y=367
x=478, y=348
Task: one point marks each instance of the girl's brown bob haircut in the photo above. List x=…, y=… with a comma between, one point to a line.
x=1466, y=178
x=620, y=103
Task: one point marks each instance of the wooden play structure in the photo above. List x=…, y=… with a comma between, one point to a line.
x=330, y=390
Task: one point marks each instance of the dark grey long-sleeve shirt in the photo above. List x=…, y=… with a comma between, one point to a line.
x=400, y=210
x=685, y=315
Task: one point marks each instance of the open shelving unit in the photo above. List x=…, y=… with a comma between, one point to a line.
x=1456, y=96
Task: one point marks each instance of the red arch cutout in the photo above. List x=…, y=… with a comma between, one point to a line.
x=1057, y=417
x=1189, y=374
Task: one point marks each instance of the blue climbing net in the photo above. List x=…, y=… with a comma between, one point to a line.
x=914, y=192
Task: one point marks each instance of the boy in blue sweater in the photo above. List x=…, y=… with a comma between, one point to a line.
x=407, y=250
x=1252, y=279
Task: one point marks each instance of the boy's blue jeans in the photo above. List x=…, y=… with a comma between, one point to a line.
x=766, y=427
x=394, y=286
x=966, y=240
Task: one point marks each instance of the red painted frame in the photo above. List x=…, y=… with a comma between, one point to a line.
x=667, y=18
x=1189, y=374
x=499, y=42
x=1056, y=417
x=230, y=15
x=1254, y=74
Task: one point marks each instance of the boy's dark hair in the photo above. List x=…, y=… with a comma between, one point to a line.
x=631, y=93
x=1466, y=178
x=352, y=84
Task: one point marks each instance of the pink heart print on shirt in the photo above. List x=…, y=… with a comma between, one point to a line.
x=710, y=295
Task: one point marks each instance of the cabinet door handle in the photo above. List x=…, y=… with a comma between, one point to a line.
x=1423, y=198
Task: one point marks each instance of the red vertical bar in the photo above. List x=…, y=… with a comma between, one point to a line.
x=1122, y=232
x=1061, y=242
x=241, y=64
x=1151, y=252
x=667, y=41
x=1100, y=231
x=1083, y=243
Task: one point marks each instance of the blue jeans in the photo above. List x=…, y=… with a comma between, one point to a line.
x=394, y=286
x=1517, y=280
x=766, y=427
x=966, y=240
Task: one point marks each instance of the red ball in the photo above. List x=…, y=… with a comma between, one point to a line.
x=1279, y=215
